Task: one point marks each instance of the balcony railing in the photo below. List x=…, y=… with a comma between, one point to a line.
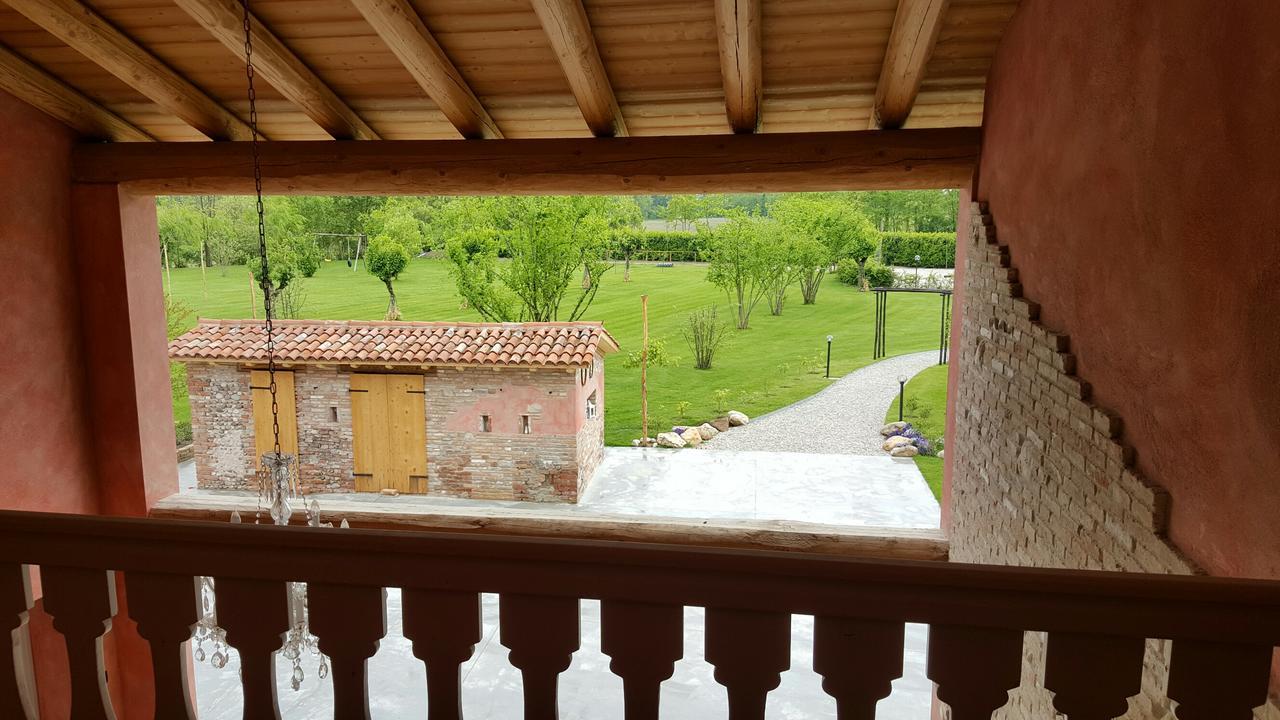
x=1223, y=631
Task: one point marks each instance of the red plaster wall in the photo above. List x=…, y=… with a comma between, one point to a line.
x=48, y=462
x=1132, y=164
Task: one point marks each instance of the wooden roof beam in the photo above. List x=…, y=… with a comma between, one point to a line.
x=408, y=38
x=863, y=160
x=43, y=91
x=274, y=61
x=738, y=28
x=567, y=27
x=915, y=32
x=88, y=33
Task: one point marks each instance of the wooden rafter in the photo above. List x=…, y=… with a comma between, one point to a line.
x=567, y=27
x=38, y=88
x=738, y=28
x=915, y=32
x=865, y=160
x=408, y=38
x=224, y=19
x=88, y=33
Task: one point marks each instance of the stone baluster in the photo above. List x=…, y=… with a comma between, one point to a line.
x=165, y=608
x=82, y=603
x=255, y=615
x=542, y=634
x=445, y=627
x=1092, y=676
x=750, y=651
x=14, y=601
x=349, y=620
x=1218, y=681
x=643, y=642
x=974, y=668
x=858, y=661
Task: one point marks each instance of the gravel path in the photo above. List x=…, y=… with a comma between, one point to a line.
x=845, y=418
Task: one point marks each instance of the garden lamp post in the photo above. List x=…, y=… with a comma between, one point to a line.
x=902, y=391
x=829, y=339
x=917, y=267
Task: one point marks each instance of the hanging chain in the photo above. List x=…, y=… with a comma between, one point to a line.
x=268, y=301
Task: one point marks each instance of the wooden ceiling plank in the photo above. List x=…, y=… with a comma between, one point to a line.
x=860, y=160
x=55, y=98
x=408, y=38
x=569, y=31
x=284, y=70
x=915, y=32
x=88, y=33
x=738, y=24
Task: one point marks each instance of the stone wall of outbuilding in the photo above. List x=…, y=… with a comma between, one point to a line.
x=551, y=463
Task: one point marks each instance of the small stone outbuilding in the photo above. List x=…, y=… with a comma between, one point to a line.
x=502, y=411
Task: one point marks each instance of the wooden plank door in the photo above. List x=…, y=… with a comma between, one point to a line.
x=388, y=424
x=263, y=435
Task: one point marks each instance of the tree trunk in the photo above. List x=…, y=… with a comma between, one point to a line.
x=626, y=269
x=393, y=310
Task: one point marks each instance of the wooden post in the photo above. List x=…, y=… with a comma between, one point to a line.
x=644, y=367
x=253, y=300
x=204, y=251
x=168, y=274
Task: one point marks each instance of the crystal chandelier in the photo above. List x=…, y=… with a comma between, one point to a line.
x=278, y=481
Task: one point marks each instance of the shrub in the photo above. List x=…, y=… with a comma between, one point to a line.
x=682, y=409
x=182, y=433
x=658, y=355
x=722, y=399
x=877, y=275
x=705, y=333
x=936, y=250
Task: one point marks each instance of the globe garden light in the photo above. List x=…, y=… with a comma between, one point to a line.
x=829, y=339
x=902, y=390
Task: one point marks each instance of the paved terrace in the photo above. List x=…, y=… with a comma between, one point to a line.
x=849, y=490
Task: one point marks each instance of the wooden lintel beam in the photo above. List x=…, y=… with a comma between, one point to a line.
x=275, y=62
x=738, y=28
x=915, y=32
x=88, y=33
x=408, y=38
x=864, y=160
x=41, y=90
x=569, y=30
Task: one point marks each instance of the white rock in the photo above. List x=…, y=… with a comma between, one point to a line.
x=737, y=419
x=707, y=431
x=940, y=453
x=892, y=428
x=670, y=440
x=897, y=441
x=904, y=451
x=691, y=437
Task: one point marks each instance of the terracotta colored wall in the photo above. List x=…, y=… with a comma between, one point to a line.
x=1130, y=161
x=48, y=462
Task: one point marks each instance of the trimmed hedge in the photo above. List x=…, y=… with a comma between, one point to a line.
x=877, y=275
x=936, y=249
x=670, y=244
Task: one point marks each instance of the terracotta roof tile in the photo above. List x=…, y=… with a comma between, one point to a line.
x=397, y=343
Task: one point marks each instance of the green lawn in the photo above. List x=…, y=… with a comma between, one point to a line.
x=778, y=361
x=925, y=407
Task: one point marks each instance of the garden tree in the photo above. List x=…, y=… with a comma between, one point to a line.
x=740, y=265
x=687, y=210
x=911, y=210
x=546, y=240
x=398, y=220
x=385, y=260
x=181, y=228
x=791, y=257
x=290, y=252
x=832, y=219
x=346, y=214
x=627, y=242
x=705, y=333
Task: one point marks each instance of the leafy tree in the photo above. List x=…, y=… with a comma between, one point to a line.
x=911, y=210
x=546, y=241
x=833, y=220
x=705, y=333
x=687, y=210
x=398, y=220
x=740, y=262
x=385, y=260
x=627, y=242
x=181, y=231
x=791, y=258
x=289, y=250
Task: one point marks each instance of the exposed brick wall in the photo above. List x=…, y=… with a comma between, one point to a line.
x=324, y=442
x=551, y=464
x=503, y=464
x=1040, y=478
x=221, y=426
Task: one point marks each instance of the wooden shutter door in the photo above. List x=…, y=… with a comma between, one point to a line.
x=407, y=410
x=368, y=430
x=263, y=435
